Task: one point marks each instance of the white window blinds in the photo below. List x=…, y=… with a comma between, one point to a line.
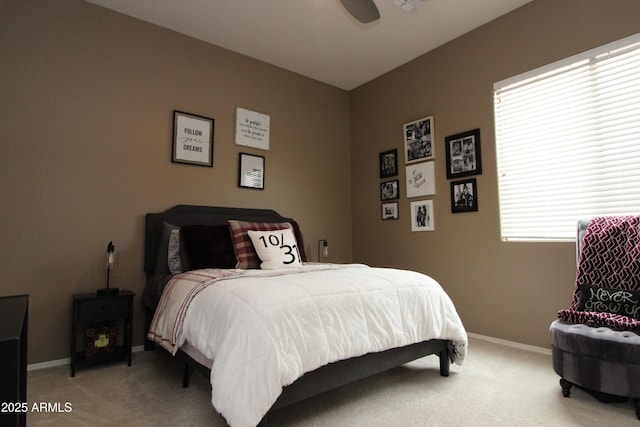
x=568, y=142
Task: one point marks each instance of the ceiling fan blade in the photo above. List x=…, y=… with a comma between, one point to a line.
x=364, y=11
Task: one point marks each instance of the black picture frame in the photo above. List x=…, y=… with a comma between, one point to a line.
x=463, y=154
x=464, y=196
x=251, y=171
x=389, y=163
x=192, y=139
x=390, y=190
x=389, y=211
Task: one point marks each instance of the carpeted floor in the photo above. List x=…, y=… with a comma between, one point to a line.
x=496, y=386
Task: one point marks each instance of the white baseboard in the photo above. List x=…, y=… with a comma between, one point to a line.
x=67, y=361
x=513, y=344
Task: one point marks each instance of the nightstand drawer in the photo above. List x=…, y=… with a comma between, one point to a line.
x=104, y=308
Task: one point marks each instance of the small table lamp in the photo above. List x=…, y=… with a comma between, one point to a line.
x=111, y=262
x=325, y=248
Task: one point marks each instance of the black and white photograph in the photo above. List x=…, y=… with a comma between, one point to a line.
x=464, y=196
x=251, y=171
x=418, y=140
x=463, y=154
x=390, y=210
x=389, y=163
x=422, y=216
x=389, y=190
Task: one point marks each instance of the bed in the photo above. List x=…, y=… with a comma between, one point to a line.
x=270, y=337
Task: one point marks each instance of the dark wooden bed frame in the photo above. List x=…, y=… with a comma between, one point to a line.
x=312, y=383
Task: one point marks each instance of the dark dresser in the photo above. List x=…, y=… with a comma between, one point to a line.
x=14, y=320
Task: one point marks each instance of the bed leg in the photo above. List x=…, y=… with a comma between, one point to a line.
x=187, y=370
x=444, y=363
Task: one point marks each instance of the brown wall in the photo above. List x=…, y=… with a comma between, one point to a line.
x=86, y=112
x=506, y=290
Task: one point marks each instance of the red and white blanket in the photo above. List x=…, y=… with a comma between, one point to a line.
x=609, y=258
x=166, y=327
x=263, y=329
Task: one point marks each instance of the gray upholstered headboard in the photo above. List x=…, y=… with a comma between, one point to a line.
x=203, y=215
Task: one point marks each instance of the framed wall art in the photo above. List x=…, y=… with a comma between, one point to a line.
x=464, y=196
x=418, y=140
x=463, y=154
x=389, y=190
x=252, y=129
x=251, y=171
x=422, y=216
x=192, y=139
x=421, y=179
x=389, y=163
x=390, y=210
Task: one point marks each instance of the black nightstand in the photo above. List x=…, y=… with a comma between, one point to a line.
x=101, y=315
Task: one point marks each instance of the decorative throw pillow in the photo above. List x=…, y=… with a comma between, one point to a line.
x=276, y=249
x=245, y=253
x=162, y=259
x=208, y=246
x=173, y=253
x=625, y=302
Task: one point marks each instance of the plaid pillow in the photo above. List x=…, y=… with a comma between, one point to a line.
x=245, y=253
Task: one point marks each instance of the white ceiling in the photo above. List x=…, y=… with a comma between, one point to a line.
x=318, y=38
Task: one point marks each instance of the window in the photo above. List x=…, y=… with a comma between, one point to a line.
x=568, y=142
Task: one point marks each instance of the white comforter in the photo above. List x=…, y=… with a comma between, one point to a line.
x=264, y=329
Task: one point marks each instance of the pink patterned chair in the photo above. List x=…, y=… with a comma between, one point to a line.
x=595, y=343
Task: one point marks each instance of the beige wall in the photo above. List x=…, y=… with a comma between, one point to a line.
x=506, y=290
x=86, y=112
